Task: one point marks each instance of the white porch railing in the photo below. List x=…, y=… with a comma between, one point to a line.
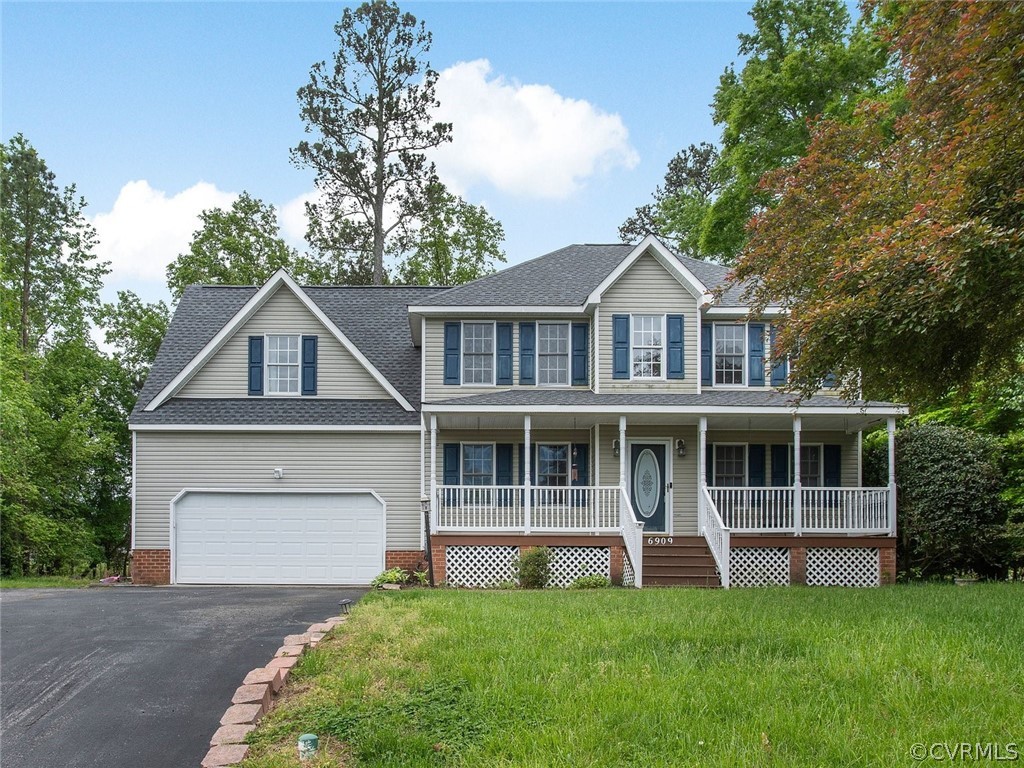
x=715, y=532
x=821, y=510
x=632, y=537
x=576, y=509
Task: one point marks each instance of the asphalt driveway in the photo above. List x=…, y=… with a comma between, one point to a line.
x=134, y=675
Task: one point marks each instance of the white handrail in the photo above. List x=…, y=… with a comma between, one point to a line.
x=632, y=537
x=715, y=533
x=823, y=510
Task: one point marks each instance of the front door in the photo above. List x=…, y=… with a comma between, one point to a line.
x=650, y=484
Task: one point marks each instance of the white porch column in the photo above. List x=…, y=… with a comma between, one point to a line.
x=702, y=473
x=622, y=452
x=527, y=479
x=797, y=492
x=890, y=424
x=433, y=473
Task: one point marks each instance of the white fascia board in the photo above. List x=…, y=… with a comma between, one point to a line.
x=656, y=248
x=497, y=309
x=248, y=310
x=743, y=312
x=703, y=410
x=368, y=428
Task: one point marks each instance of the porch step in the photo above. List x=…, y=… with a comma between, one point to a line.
x=686, y=562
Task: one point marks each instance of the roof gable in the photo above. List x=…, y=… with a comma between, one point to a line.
x=668, y=260
x=280, y=281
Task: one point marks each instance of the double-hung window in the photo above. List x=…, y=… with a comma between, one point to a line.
x=552, y=465
x=478, y=353
x=477, y=464
x=730, y=351
x=730, y=465
x=648, y=346
x=810, y=466
x=283, y=365
x=552, y=353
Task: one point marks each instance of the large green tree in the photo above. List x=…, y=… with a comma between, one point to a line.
x=370, y=113
x=49, y=275
x=896, y=242
x=238, y=246
x=454, y=242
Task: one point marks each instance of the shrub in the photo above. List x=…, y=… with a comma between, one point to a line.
x=535, y=568
x=391, y=576
x=593, y=581
x=950, y=515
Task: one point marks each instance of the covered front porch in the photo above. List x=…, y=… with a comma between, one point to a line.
x=647, y=476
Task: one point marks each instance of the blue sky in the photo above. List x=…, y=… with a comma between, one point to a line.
x=157, y=110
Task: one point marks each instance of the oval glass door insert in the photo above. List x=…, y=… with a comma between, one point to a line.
x=647, y=483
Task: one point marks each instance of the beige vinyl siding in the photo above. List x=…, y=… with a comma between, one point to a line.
x=684, y=470
x=646, y=288
x=167, y=462
x=436, y=389
x=848, y=448
x=339, y=374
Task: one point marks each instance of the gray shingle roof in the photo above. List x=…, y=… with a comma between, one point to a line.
x=276, y=410
x=375, y=320
x=722, y=398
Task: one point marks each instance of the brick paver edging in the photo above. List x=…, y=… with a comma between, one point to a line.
x=256, y=695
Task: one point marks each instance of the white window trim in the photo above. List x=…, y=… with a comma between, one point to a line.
x=821, y=463
x=494, y=462
x=568, y=355
x=746, y=464
x=266, y=366
x=494, y=353
x=664, y=347
x=568, y=463
x=714, y=356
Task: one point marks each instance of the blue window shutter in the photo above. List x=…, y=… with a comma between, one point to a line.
x=580, y=335
x=503, y=464
x=755, y=354
x=255, y=365
x=674, y=327
x=620, y=346
x=527, y=353
x=452, y=350
x=709, y=463
x=581, y=461
x=780, y=366
x=705, y=354
x=833, y=464
x=755, y=466
x=780, y=466
x=309, y=365
x=451, y=471
x=503, y=331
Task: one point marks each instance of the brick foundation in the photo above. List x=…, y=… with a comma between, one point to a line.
x=151, y=566
x=437, y=558
x=615, y=574
x=409, y=560
x=887, y=566
x=798, y=565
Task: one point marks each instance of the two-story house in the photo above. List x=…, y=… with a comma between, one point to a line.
x=599, y=400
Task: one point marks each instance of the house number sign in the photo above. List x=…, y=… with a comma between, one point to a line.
x=659, y=539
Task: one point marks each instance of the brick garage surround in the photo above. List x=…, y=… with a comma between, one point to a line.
x=151, y=566
x=408, y=559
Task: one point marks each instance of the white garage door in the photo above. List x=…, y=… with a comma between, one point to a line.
x=278, y=538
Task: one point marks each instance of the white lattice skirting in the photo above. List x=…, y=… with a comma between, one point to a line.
x=843, y=567
x=569, y=563
x=759, y=566
x=480, y=566
x=628, y=575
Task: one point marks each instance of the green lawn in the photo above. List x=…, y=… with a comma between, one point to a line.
x=40, y=582
x=781, y=677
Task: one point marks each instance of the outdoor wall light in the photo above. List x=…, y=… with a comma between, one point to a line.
x=278, y=473
x=615, y=447
x=681, y=447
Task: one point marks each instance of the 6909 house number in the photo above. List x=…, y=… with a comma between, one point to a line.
x=659, y=540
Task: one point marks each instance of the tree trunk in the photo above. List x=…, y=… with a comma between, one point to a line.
x=26, y=294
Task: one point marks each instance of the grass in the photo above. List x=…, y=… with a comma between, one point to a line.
x=782, y=677
x=41, y=582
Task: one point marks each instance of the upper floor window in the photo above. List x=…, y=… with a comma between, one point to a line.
x=552, y=353
x=730, y=351
x=283, y=365
x=648, y=346
x=730, y=465
x=478, y=353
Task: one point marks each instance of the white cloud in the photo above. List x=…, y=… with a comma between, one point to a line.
x=146, y=229
x=292, y=218
x=527, y=140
